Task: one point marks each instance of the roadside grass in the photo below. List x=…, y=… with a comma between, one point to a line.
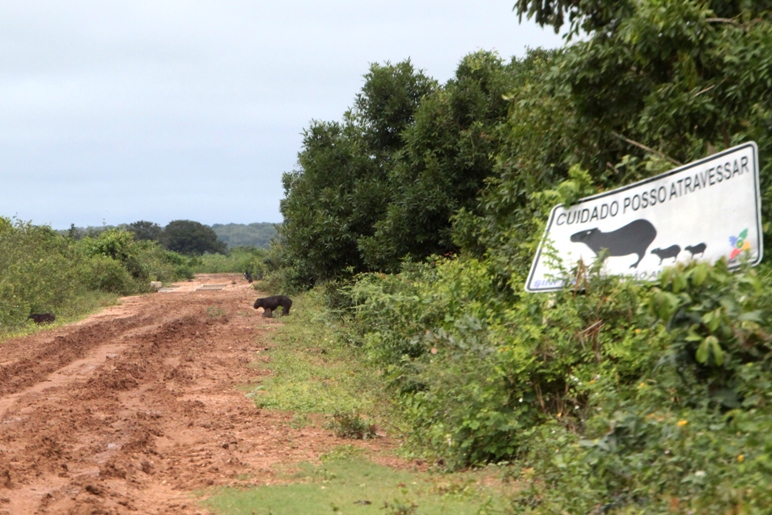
x=347, y=483
x=323, y=381
x=312, y=373
x=77, y=309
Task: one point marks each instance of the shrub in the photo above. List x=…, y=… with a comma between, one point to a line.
x=617, y=397
x=44, y=271
x=107, y=274
x=39, y=271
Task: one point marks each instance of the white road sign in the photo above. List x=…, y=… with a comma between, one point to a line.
x=704, y=210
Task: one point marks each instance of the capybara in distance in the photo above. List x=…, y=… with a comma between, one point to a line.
x=42, y=318
x=633, y=238
x=696, y=249
x=670, y=252
x=271, y=304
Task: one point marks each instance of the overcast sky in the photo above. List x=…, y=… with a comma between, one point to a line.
x=117, y=111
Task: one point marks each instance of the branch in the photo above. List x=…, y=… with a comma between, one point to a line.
x=704, y=90
x=724, y=20
x=647, y=149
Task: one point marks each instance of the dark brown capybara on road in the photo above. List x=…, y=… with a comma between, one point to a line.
x=271, y=304
x=633, y=238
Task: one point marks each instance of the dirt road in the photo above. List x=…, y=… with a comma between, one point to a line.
x=136, y=407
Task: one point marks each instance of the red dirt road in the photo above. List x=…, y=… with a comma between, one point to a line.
x=136, y=407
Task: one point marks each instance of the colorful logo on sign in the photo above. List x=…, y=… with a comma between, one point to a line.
x=739, y=244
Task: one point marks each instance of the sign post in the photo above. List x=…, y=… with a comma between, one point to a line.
x=706, y=210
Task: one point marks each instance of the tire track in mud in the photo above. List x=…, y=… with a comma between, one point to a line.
x=58, y=352
x=131, y=413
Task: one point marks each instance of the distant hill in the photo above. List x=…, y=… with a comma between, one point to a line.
x=245, y=235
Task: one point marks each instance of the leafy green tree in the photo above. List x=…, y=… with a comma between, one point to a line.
x=144, y=230
x=188, y=237
x=341, y=187
x=651, y=84
x=446, y=157
x=388, y=102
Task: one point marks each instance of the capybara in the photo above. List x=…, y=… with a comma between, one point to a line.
x=696, y=249
x=633, y=238
x=42, y=318
x=670, y=252
x=270, y=304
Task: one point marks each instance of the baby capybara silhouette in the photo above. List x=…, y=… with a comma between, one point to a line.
x=633, y=238
x=271, y=304
x=670, y=252
x=696, y=249
x=42, y=318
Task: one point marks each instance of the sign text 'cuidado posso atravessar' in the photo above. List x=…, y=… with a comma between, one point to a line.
x=706, y=210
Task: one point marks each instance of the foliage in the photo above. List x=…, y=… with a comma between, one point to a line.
x=39, y=272
x=237, y=260
x=351, y=425
x=610, y=397
x=383, y=184
x=144, y=230
x=191, y=238
x=341, y=186
x=621, y=395
x=446, y=156
x=46, y=271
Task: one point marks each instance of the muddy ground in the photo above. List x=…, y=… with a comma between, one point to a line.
x=137, y=408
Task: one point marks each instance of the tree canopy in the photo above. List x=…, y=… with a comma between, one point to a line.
x=188, y=237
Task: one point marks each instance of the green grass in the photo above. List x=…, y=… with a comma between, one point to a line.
x=315, y=377
x=313, y=373
x=79, y=308
x=347, y=483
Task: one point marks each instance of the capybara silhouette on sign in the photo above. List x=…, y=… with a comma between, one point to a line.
x=271, y=304
x=696, y=249
x=670, y=252
x=633, y=238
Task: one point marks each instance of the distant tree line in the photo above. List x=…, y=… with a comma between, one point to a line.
x=246, y=235
x=189, y=237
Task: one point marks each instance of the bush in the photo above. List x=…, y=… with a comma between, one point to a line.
x=107, y=274
x=44, y=271
x=237, y=260
x=617, y=397
x=39, y=271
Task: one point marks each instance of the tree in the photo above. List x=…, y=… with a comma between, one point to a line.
x=446, y=156
x=387, y=104
x=188, y=237
x=341, y=187
x=144, y=230
x=651, y=84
